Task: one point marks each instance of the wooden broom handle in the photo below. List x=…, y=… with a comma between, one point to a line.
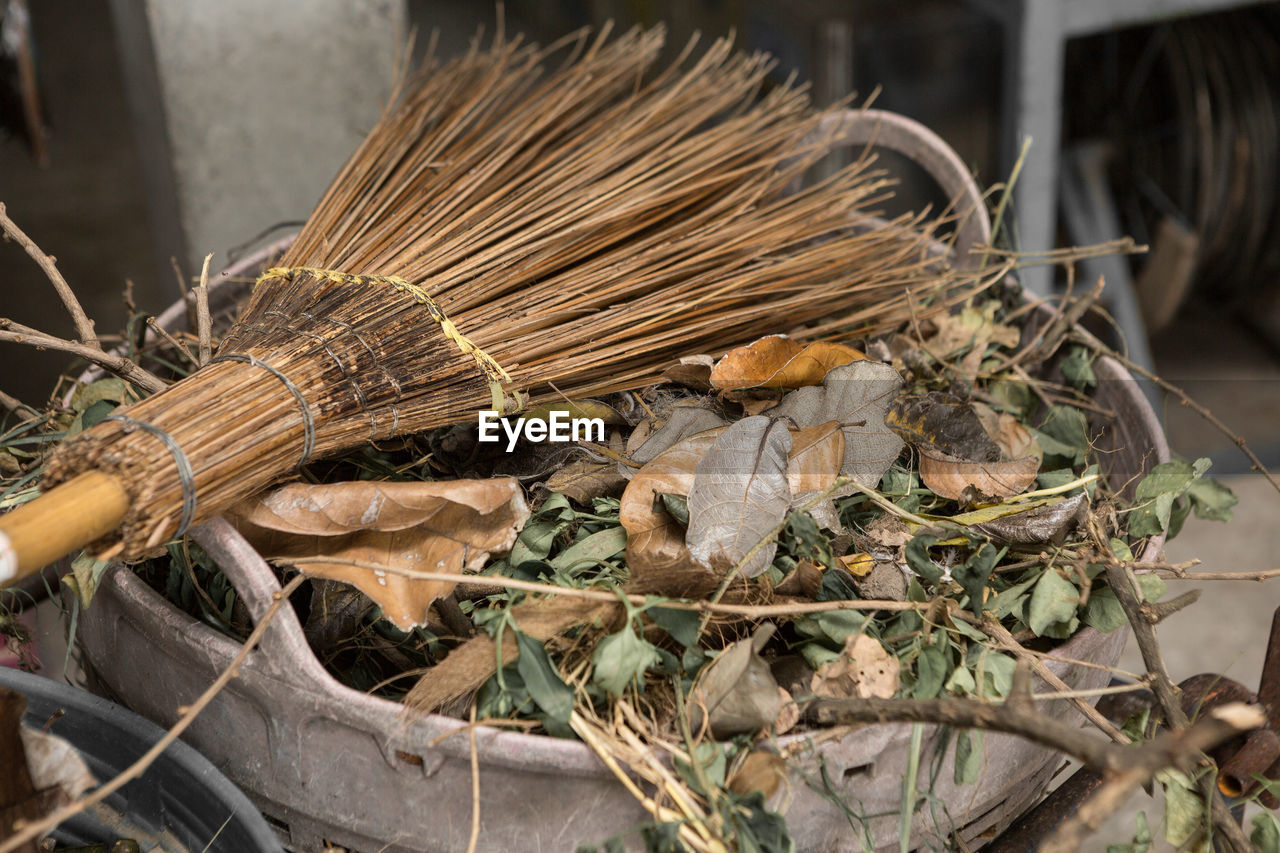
x=70, y=516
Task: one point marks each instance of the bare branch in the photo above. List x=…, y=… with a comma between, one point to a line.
x=48, y=263
x=119, y=365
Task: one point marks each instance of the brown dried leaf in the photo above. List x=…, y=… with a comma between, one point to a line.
x=864, y=670
x=943, y=422
x=972, y=331
x=857, y=396
x=813, y=465
x=443, y=526
x=804, y=580
x=656, y=553
x=776, y=361
x=950, y=477
x=692, y=371
x=739, y=494
x=583, y=480
x=736, y=693
x=760, y=771
x=1014, y=440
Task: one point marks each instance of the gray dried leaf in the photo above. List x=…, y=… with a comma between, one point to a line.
x=739, y=495
x=736, y=693
x=857, y=395
x=1044, y=524
x=684, y=422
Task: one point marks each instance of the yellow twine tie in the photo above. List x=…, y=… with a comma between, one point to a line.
x=494, y=373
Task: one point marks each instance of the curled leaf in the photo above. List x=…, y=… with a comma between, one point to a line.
x=1049, y=523
x=583, y=480
x=951, y=477
x=437, y=527
x=776, y=361
x=739, y=494
x=736, y=693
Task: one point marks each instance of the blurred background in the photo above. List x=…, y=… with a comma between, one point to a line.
x=137, y=136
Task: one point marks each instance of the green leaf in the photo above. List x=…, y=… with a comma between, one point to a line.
x=677, y=506
x=836, y=586
x=86, y=572
x=1104, y=612
x=1121, y=550
x=1266, y=833
x=918, y=559
x=621, y=659
x=961, y=682
x=1154, y=498
x=975, y=573
x=755, y=828
x=816, y=655
x=660, y=838
x=681, y=625
x=810, y=541
x=1065, y=433
x=997, y=673
x=1211, y=499
x=840, y=625
x=534, y=542
x=1184, y=808
x=1053, y=600
x=593, y=550
x=931, y=672
x=1077, y=368
x=1007, y=601
x=968, y=759
x=1153, y=587
x=542, y=681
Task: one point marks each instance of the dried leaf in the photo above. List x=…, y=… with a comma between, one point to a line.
x=805, y=580
x=692, y=371
x=583, y=480
x=736, y=693
x=760, y=771
x=776, y=361
x=970, y=331
x=813, y=464
x=864, y=670
x=857, y=396
x=656, y=552
x=684, y=422
x=576, y=409
x=442, y=526
x=858, y=565
x=951, y=477
x=943, y=422
x=1014, y=440
x=471, y=664
x=1049, y=523
x=739, y=494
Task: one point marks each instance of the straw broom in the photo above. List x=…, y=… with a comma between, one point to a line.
x=504, y=228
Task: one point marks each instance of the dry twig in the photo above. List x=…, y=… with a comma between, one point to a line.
x=48, y=263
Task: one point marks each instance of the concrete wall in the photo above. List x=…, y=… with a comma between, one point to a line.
x=246, y=109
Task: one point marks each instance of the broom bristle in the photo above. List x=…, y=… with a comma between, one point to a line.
x=583, y=226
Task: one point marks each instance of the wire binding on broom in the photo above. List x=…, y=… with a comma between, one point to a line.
x=494, y=373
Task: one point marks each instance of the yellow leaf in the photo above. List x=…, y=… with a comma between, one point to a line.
x=858, y=565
